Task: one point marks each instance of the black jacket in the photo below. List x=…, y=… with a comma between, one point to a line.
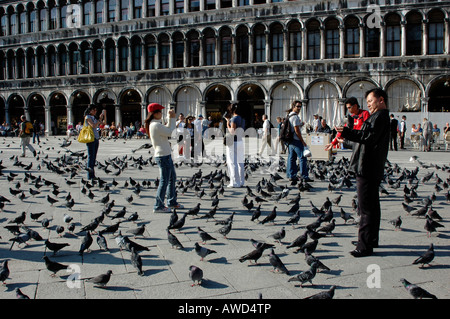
x=371, y=147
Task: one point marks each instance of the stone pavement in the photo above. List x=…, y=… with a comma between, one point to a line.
x=166, y=269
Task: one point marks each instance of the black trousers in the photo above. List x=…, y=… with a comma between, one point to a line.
x=393, y=142
x=370, y=213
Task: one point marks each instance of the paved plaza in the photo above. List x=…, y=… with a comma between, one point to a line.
x=166, y=270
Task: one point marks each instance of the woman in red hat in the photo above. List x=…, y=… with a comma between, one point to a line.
x=159, y=135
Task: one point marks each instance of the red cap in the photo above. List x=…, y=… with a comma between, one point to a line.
x=152, y=107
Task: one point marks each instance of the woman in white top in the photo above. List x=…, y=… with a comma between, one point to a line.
x=159, y=135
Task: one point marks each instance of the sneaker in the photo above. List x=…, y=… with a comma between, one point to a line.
x=177, y=206
x=161, y=210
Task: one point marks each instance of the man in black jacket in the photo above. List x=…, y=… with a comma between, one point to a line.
x=394, y=129
x=367, y=163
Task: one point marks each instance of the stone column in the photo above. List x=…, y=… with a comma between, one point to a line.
x=285, y=45
x=425, y=36
x=48, y=120
x=424, y=108
x=322, y=43
x=403, y=38
x=362, y=41
x=304, y=44
x=446, y=36
x=382, y=39
x=70, y=115
x=118, y=115
x=26, y=112
x=341, y=41
x=268, y=46
x=143, y=112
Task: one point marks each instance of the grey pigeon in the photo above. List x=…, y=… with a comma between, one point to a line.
x=299, y=241
x=55, y=247
x=53, y=266
x=397, y=223
x=328, y=228
x=271, y=217
x=279, y=235
x=101, y=280
x=204, y=235
x=203, y=251
x=4, y=271
x=294, y=219
x=426, y=258
x=310, y=259
x=277, y=264
x=137, y=231
x=173, y=240
x=253, y=255
x=196, y=275
x=179, y=223
x=305, y=276
x=86, y=243
x=416, y=291
x=328, y=294
x=225, y=230
x=346, y=216
x=309, y=247
x=102, y=243
x=20, y=294
x=136, y=261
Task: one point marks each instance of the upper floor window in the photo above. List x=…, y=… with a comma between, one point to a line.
x=393, y=35
x=137, y=9
x=332, y=39
x=99, y=11
x=352, y=37
x=313, y=40
x=436, y=32
x=124, y=6
x=151, y=10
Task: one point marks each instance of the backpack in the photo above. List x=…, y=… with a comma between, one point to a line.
x=28, y=128
x=286, y=132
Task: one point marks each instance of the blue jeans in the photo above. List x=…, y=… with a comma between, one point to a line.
x=166, y=183
x=92, y=157
x=296, y=151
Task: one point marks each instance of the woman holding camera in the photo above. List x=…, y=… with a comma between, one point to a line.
x=92, y=147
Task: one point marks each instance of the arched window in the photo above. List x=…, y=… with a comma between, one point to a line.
x=313, y=40
x=40, y=61
x=11, y=65
x=259, y=37
x=98, y=56
x=2, y=65
x=124, y=6
x=371, y=40
x=22, y=15
x=137, y=7
x=151, y=9
x=74, y=59
x=332, y=39
x=150, y=52
x=165, y=7
x=20, y=64
x=42, y=19
x=164, y=51
x=225, y=46
x=30, y=63
x=110, y=55
x=295, y=41
x=179, y=6
x=53, y=19
x=414, y=33
x=3, y=19
x=436, y=32
x=12, y=21
x=112, y=10
x=63, y=14
x=178, y=50
x=393, y=35
x=193, y=47
x=86, y=58
x=242, y=45
x=31, y=18
x=62, y=54
x=136, y=53
x=351, y=37
x=209, y=47
x=276, y=42
x=99, y=7
x=123, y=54
x=51, y=59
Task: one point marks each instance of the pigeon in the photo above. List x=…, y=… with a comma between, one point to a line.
x=86, y=243
x=431, y=225
x=225, y=230
x=51, y=200
x=204, y=235
x=253, y=255
x=309, y=247
x=55, y=247
x=328, y=229
x=249, y=205
x=271, y=217
x=346, y=216
x=310, y=259
x=35, y=216
x=102, y=243
x=173, y=240
x=294, y=219
x=426, y=258
x=173, y=217
x=328, y=294
x=91, y=226
x=305, y=276
x=45, y=222
x=416, y=291
x=101, y=280
x=120, y=214
x=279, y=235
x=53, y=266
x=136, y=261
x=4, y=272
x=194, y=211
x=179, y=223
x=67, y=219
x=256, y=213
x=196, y=275
x=137, y=231
x=59, y=230
x=433, y=214
x=277, y=264
x=20, y=294
x=203, y=251
x=19, y=219
x=110, y=229
x=337, y=200
x=260, y=244
x=397, y=223
x=299, y=241
x=314, y=235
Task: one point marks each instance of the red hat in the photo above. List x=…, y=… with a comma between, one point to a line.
x=152, y=107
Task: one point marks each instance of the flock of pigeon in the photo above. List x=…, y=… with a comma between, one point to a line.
x=53, y=179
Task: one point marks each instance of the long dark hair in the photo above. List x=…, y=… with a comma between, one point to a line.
x=89, y=109
x=147, y=122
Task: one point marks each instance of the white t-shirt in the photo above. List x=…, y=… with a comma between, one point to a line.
x=160, y=134
x=295, y=121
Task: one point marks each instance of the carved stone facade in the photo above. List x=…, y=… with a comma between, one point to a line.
x=57, y=57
